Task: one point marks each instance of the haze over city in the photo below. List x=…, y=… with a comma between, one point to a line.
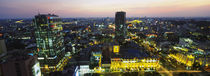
x=105, y=8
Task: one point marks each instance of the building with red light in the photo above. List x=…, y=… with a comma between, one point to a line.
x=49, y=40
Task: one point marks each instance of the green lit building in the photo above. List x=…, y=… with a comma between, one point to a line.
x=49, y=40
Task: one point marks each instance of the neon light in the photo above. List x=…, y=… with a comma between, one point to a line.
x=129, y=61
x=38, y=49
x=52, y=57
x=40, y=58
x=31, y=54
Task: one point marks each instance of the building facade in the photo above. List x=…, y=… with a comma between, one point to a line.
x=3, y=49
x=49, y=40
x=20, y=64
x=120, y=25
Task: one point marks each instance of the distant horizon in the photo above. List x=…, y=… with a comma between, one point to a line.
x=114, y=17
x=105, y=8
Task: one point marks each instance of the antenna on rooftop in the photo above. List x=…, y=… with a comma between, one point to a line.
x=38, y=12
x=53, y=12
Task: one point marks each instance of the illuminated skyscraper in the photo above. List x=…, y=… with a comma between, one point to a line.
x=49, y=40
x=120, y=19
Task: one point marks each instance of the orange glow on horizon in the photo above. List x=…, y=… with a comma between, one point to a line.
x=104, y=8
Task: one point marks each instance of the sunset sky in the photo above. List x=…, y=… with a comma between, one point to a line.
x=105, y=8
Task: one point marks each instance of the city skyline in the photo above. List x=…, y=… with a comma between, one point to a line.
x=105, y=8
x=49, y=45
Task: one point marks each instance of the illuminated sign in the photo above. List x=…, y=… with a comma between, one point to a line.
x=116, y=49
x=40, y=58
x=36, y=69
x=31, y=54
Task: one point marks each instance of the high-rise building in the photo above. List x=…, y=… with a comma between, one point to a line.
x=49, y=40
x=120, y=25
x=20, y=63
x=3, y=49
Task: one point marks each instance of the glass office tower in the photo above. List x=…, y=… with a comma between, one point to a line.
x=49, y=40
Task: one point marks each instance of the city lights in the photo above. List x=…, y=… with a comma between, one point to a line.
x=104, y=38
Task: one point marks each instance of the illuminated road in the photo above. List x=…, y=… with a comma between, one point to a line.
x=164, y=70
x=63, y=63
x=180, y=71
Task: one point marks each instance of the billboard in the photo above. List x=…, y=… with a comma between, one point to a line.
x=116, y=48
